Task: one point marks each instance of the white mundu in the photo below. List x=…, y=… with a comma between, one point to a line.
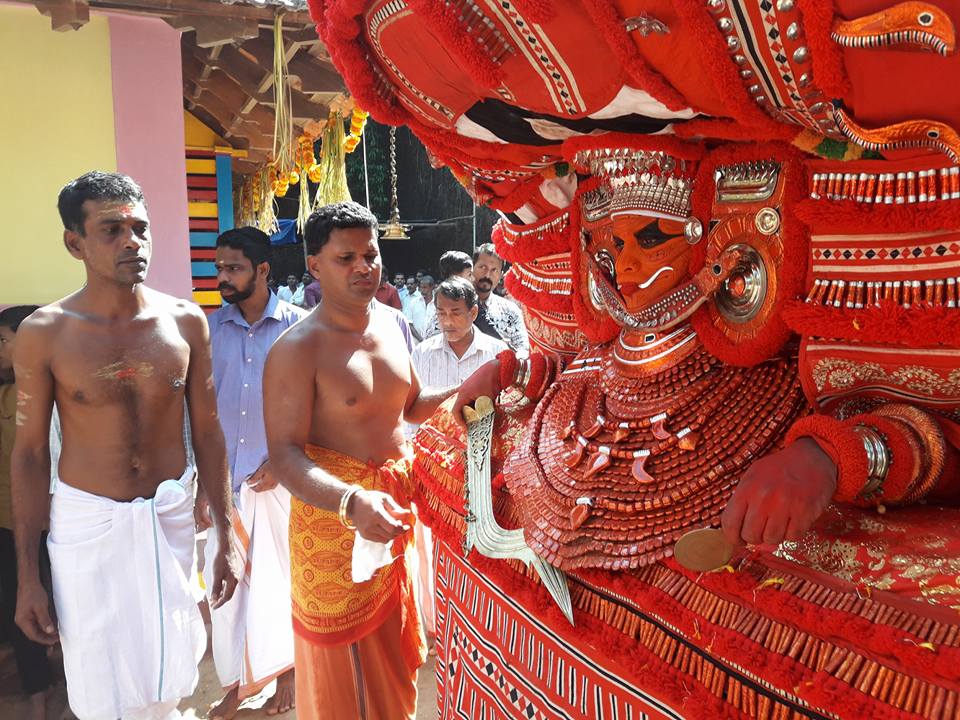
x=125, y=589
x=253, y=631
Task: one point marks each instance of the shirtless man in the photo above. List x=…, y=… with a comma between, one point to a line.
x=120, y=361
x=337, y=387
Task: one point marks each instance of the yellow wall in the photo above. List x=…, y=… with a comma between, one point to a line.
x=198, y=135
x=56, y=122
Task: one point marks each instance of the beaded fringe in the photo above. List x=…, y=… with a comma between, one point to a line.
x=888, y=188
x=860, y=294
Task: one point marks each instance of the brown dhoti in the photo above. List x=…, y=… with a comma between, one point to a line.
x=365, y=680
x=357, y=646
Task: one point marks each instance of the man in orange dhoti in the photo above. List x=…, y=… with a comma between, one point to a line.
x=337, y=388
x=362, y=640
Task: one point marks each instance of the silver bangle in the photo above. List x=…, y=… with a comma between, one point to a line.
x=878, y=459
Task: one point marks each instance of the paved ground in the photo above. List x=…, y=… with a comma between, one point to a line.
x=13, y=706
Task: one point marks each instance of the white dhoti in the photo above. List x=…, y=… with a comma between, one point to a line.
x=124, y=585
x=253, y=632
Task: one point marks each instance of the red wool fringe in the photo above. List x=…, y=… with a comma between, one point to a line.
x=534, y=244
x=849, y=216
x=792, y=275
x=920, y=326
x=829, y=73
x=724, y=129
x=607, y=19
x=537, y=300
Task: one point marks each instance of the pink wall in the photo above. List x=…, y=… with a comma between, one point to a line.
x=148, y=118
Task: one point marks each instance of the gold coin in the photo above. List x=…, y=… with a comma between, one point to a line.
x=703, y=550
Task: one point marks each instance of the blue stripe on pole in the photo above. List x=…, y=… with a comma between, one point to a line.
x=224, y=192
x=203, y=239
x=200, y=268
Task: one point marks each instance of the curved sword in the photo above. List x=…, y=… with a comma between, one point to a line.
x=484, y=533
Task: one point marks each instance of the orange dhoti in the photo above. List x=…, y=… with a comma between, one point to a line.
x=357, y=645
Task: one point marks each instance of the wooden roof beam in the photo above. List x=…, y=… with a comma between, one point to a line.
x=65, y=14
x=212, y=32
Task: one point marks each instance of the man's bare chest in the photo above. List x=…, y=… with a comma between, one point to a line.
x=101, y=368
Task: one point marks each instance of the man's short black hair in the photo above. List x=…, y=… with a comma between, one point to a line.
x=457, y=288
x=93, y=185
x=253, y=242
x=487, y=249
x=338, y=216
x=11, y=317
x=454, y=262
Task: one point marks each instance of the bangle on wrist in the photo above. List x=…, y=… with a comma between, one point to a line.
x=878, y=461
x=344, y=503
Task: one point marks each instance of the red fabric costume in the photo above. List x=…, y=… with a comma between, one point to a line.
x=738, y=224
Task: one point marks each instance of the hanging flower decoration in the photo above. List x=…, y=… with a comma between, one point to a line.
x=357, y=122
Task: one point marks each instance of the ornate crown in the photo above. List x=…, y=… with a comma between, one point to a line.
x=635, y=180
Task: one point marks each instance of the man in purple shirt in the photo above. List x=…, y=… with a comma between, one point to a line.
x=252, y=634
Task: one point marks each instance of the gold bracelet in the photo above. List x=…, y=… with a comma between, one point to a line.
x=344, y=502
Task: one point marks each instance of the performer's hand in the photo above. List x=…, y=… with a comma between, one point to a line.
x=484, y=381
x=201, y=513
x=33, y=614
x=227, y=571
x=378, y=517
x=263, y=479
x=781, y=495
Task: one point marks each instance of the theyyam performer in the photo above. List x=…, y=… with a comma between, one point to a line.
x=725, y=483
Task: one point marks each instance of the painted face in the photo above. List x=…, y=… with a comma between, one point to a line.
x=116, y=243
x=348, y=265
x=236, y=276
x=454, y=318
x=487, y=272
x=646, y=256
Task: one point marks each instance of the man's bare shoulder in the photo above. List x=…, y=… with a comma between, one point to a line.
x=176, y=306
x=303, y=334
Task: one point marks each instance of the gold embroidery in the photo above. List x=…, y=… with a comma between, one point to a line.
x=840, y=373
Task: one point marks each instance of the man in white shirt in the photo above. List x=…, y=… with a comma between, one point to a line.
x=451, y=356
x=421, y=309
x=448, y=358
x=292, y=292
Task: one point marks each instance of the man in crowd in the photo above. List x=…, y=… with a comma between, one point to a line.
x=292, y=292
x=451, y=356
x=252, y=634
x=31, y=657
x=448, y=358
x=336, y=390
x=387, y=293
x=453, y=263
x=312, y=293
x=411, y=292
x=399, y=281
x=124, y=363
x=421, y=310
x=498, y=317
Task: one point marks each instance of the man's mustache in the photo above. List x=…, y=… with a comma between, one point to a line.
x=224, y=286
